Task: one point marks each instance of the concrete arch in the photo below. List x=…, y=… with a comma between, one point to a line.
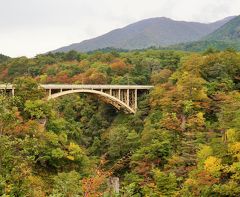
x=113, y=100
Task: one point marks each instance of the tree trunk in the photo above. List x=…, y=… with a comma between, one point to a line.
x=183, y=122
x=114, y=184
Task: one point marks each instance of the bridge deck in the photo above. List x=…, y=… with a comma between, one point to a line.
x=96, y=87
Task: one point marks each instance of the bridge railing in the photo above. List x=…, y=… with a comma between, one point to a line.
x=88, y=86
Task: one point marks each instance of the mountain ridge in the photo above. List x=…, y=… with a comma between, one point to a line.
x=158, y=32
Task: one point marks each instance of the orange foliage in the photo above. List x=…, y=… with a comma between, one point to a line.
x=120, y=67
x=92, y=186
x=205, y=178
x=31, y=127
x=171, y=122
x=4, y=73
x=92, y=76
x=63, y=78
x=202, y=179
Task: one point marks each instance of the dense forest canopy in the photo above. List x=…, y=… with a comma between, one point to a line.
x=184, y=139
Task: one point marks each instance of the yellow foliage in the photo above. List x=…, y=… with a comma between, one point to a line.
x=192, y=87
x=74, y=148
x=75, y=151
x=191, y=182
x=213, y=165
x=175, y=160
x=231, y=135
x=193, y=64
x=37, y=186
x=196, y=122
x=70, y=157
x=204, y=152
x=235, y=150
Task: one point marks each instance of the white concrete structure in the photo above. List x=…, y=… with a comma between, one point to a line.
x=120, y=96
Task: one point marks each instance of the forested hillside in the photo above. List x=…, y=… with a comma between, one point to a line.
x=229, y=31
x=227, y=36
x=184, y=139
x=201, y=46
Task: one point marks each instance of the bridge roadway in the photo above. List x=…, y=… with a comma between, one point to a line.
x=120, y=96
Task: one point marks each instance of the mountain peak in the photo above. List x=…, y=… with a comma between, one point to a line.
x=157, y=31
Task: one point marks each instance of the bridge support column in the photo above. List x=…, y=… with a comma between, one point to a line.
x=13, y=92
x=119, y=94
x=135, y=103
x=127, y=97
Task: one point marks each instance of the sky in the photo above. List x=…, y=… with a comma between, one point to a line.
x=31, y=27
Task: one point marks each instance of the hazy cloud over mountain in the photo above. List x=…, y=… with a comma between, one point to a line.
x=29, y=27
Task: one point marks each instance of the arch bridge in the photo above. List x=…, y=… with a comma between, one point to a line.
x=122, y=97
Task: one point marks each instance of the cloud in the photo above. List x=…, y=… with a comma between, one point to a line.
x=29, y=27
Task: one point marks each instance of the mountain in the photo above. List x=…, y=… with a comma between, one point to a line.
x=229, y=31
x=227, y=36
x=157, y=32
x=3, y=58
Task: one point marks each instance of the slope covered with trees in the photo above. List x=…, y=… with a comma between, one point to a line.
x=184, y=139
x=227, y=36
x=229, y=31
x=203, y=45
